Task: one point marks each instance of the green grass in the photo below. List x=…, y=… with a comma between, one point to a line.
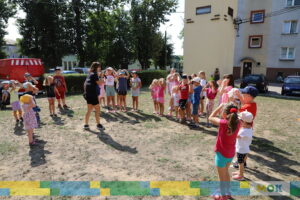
x=7, y=148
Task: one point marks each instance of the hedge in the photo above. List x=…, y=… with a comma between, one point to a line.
x=75, y=81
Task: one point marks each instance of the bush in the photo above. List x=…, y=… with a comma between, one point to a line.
x=147, y=76
x=75, y=81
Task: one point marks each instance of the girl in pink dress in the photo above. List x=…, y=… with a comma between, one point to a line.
x=161, y=95
x=226, y=86
x=30, y=121
x=102, y=89
x=211, y=93
x=154, y=92
x=172, y=81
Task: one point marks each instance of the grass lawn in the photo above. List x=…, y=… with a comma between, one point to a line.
x=142, y=146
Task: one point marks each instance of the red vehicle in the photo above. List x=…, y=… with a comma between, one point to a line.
x=15, y=68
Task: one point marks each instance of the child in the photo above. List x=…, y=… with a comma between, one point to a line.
x=61, y=87
x=232, y=98
x=243, y=143
x=161, y=95
x=226, y=85
x=102, y=89
x=172, y=80
x=211, y=93
x=225, y=146
x=184, y=95
x=30, y=121
x=196, y=89
x=110, y=89
x=5, y=92
x=15, y=103
x=175, y=99
x=247, y=96
x=135, y=90
x=122, y=88
x=188, y=109
x=203, y=83
x=154, y=92
x=51, y=90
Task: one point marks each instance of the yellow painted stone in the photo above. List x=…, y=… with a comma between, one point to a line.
x=104, y=192
x=169, y=184
x=244, y=184
x=94, y=184
x=19, y=184
x=30, y=192
x=179, y=192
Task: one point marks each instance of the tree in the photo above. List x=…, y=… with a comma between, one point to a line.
x=165, y=52
x=147, y=15
x=44, y=35
x=7, y=10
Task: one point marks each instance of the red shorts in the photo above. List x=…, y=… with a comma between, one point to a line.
x=61, y=94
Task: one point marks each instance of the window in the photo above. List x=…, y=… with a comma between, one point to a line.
x=290, y=27
x=290, y=3
x=255, y=41
x=287, y=53
x=230, y=11
x=203, y=10
x=257, y=16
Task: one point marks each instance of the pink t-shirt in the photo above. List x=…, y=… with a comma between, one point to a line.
x=226, y=143
x=161, y=92
x=171, y=84
x=210, y=94
x=154, y=92
x=225, y=97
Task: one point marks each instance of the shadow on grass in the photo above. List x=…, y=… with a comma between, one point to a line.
x=38, y=153
x=108, y=140
x=58, y=121
x=281, y=163
x=19, y=129
x=68, y=112
x=202, y=127
x=122, y=117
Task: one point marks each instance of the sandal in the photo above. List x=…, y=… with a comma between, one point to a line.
x=238, y=177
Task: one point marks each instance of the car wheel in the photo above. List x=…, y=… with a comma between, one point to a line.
x=282, y=92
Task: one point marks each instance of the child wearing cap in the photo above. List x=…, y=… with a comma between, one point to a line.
x=135, y=90
x=195, y=89
x=247, y=96
x=30, y=121
x=243, y=143
x=184, y=95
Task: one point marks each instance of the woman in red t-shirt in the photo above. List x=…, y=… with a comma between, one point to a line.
x=225, y=145
x=61, y=86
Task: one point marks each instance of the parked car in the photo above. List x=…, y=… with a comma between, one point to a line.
x=81, y=70
x=291, y=85
x=257, y=80
x=69, y=72
x=15, y=68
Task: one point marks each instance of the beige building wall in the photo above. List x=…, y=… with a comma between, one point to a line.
x=209, y=38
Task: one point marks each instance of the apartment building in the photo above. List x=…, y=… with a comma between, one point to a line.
x=269, y=43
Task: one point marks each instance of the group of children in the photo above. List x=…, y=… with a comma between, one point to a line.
x=119, y=82
x=234, y=116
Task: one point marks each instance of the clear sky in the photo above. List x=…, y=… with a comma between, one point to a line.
x=173, y=27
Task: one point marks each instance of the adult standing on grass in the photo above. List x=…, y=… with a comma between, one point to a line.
x=61, y=86
x=91, y=93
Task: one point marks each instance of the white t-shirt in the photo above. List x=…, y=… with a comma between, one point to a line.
x=243, y=144
x=176, y=98
x=110, y=80
x=135, y=83
x=203, y=84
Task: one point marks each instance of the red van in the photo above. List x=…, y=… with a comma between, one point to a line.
x=15, y=68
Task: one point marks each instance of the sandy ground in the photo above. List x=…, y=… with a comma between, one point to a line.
x=142, y=146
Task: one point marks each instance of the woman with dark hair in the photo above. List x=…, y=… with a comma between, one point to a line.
x=216, y=75
x=91, y=93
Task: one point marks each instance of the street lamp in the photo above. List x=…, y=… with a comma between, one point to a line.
x=166, y=50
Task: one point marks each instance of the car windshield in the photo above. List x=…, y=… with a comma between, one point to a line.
x=252, y=78
x=292, y=80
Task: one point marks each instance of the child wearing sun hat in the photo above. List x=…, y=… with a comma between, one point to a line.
x=30, y=121
x=243, y=143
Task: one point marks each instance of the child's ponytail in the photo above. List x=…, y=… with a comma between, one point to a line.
x=231, y=111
